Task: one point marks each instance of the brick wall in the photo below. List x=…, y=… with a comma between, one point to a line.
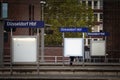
x=49, y=55
x=53, y=51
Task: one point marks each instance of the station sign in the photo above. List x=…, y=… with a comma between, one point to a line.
x=98, y=34
x=73, y=29
x=24, y=24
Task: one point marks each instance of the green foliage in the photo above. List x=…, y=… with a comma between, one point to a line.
x=66, y=13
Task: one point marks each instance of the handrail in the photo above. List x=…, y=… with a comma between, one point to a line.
x=56, y=59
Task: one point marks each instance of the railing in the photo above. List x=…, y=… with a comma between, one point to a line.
x=57, y=59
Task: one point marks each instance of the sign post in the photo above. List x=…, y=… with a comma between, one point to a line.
x=98, y=34
x=63, y=36
x=1, y=42
x=25, y=24
x=73, y=29
x=102, y=44
x=65, y=41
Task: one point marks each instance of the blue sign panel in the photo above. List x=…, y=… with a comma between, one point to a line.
x=73, y=29
x=24, y=24
x=98, y=34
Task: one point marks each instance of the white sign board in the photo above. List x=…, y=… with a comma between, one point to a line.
x=73, y=47
x=98, y=48
x=24, y=49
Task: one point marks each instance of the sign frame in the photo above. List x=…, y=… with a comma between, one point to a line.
x=98, y=34
x=36, y=50
x=75, y=43
x=73, y=29
x=24, y=24
x=102, y=48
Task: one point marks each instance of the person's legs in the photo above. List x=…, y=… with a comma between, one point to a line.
x=71, y=60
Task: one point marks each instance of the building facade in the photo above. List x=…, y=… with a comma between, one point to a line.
x=112, y=25
x=97, y=6
x=108, y=20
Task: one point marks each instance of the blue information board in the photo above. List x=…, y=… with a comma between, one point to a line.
x=98, y=34
x=24, y=24
x=73, y=29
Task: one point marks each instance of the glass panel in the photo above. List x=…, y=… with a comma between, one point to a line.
x=89, y=3
x=95, y=16
x=84, y=2
x=4, y=10
x=95, y=4
x=101, y=4
x=101, y=17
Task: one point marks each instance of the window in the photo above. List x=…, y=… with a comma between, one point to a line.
x=4, y=10
x=101, y=17
x=95, y=16
x=95, y=4
x=89, y=3
x=84, y=2
x=98, y=16
x=101, y=4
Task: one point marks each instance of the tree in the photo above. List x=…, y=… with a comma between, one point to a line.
x=66, y=13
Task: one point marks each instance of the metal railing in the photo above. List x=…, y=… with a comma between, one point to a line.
x=57, y=59
x=60, y=59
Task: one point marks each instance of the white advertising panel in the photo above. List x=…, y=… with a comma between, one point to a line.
x=24, y=49
x=97, y=48
x=73, y=47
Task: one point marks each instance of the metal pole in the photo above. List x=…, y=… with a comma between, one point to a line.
x=1, y=43
x=42, y=31
x=63, y=35
x=105, y=49
x=83, y=35
x=90, y=47
x=37, y=50
x=11, y=71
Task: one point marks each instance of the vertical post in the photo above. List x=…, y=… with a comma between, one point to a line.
x=1, y=43
x=11, y=34
x=55, y=59
x=86, y=40
x=83, y=35
x=42, y=31
x=63, y=35
x=90, y=48
x=38, y=50
x=105, y=49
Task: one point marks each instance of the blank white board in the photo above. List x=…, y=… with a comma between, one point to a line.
x=73, y=47
x=98, y=48
x=24, y=49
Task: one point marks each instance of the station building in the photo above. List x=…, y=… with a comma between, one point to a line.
x=106, y=12
x=111, y=24
x=97, y=6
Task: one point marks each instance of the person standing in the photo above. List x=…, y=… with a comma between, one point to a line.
x=71, y=60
